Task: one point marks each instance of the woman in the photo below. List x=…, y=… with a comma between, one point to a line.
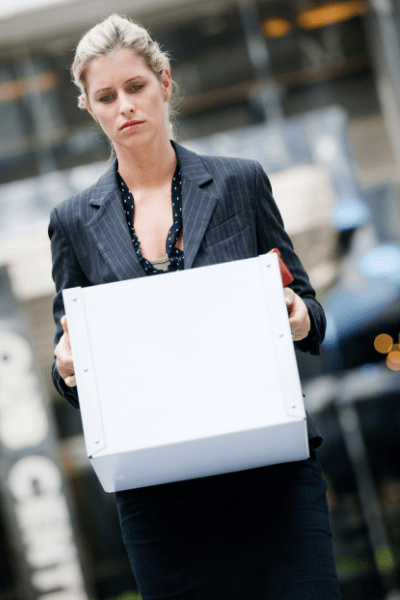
x=261, y=533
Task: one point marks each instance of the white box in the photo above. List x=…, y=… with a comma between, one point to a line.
x=187, y=374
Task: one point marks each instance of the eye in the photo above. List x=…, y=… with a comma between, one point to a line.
x=135, y=87
x=106, y=98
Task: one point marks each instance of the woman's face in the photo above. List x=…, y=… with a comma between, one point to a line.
x=127, y=99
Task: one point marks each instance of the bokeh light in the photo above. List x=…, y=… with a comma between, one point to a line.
x=393, y=359
x=336, y=12
x=383, y=343
x=276, y=27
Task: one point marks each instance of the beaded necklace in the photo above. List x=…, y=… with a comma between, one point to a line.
x=175, y=255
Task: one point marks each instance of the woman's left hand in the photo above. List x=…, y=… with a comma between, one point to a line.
x=299, y=318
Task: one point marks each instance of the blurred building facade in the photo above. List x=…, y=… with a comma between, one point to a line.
x=313, y=65
x=238, y=64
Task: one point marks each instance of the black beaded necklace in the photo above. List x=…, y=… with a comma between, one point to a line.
x=175, y=255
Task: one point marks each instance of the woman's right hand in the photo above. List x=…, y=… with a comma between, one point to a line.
x=63, y=354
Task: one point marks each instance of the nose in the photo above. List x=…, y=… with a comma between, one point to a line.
x=127, y=106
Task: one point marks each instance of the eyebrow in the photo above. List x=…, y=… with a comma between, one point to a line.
x=103, y=90
x=107, y=89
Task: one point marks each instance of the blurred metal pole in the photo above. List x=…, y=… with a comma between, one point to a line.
x=35, y=106
x=357, y=452
x=269, y=93
x=384, y=39
x=370, y=504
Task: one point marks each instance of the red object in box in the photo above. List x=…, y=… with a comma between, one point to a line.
x=286, y=275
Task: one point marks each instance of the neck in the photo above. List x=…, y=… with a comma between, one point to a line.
x=147, y=166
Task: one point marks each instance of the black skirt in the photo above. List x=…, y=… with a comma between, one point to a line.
x=256, y=534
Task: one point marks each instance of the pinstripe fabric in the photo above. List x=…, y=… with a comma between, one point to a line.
x=228, y=214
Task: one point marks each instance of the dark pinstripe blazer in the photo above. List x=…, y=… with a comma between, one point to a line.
x=228, y=214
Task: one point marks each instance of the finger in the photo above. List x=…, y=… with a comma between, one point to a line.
x=289, y=298
x=289, y=305
x=300, y=329
x=64, y=341
x=64, y=362
x=62, y=352
x=64, y=324
x=289, y=293
x=66, y=370
x=297, y=322
x=70, y=381
x=294, y=331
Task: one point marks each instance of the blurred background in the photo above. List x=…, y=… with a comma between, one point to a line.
x=311, y=89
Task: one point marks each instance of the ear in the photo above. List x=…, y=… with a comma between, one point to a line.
x=167, y=84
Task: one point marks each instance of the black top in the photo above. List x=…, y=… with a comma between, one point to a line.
x=174, y=254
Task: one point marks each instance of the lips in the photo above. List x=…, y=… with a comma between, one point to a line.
x=130, y=124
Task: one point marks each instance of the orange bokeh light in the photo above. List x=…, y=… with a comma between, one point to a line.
x=393, y=358
x=276, y=27
x=383, y=343
x=336, y=12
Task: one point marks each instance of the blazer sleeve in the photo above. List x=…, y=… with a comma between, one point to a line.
x=66, y=273
x=271, y=234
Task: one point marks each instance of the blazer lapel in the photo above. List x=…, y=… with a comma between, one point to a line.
x=198, y=203
x=108, y=226
x=109, y=229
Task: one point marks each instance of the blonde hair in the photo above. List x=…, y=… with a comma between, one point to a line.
x=111, y=34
